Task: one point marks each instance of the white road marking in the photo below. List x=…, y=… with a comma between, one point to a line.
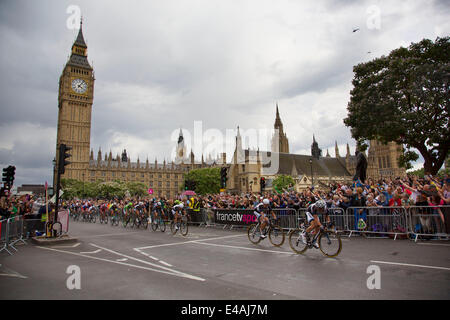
x=96, y=251
x=245, y=248
x=410, y=265
x=72, y=246
x=147, y=255
x=180, y=243
x=109, y=234
x=176, y=273
x=434, y=244
x=149, y=263
x=13, y=275
x=152, y=257
x=121, y=260
x=165, y=263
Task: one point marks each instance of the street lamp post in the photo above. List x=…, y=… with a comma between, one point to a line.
x=84, y=191
x=312, y=174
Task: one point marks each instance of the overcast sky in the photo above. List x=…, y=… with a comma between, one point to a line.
x=161, y=65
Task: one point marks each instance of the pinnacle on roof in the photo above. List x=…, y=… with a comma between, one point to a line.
x=80, y=39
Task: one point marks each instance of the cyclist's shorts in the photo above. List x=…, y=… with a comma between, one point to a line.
x=309, y=216
x=257, y=214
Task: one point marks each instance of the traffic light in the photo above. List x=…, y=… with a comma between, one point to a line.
x=5, y=176
x=63, y=155
x=8, y=176
x=262, y=181
x=223, y=177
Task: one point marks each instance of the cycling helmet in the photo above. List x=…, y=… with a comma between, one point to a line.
x=266, y=201
x=181, y=205
x=321, y=204
x=158, y=204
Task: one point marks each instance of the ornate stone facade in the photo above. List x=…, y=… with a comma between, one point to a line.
x=248, y=166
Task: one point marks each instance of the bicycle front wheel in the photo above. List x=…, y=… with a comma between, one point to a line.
x=254, y=233
x=173, y=228
x=162, y=225
x=330, y=243
x=183, y=228
x=276, y=236
x=144, y=222
x=296, y=241
x=154, y=224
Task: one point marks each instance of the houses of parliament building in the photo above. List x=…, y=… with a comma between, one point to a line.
x=75, y=99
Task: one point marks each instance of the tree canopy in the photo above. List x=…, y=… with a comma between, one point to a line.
x=282, y=182
x=404, y=97
x=206, y=180
x=104, y=190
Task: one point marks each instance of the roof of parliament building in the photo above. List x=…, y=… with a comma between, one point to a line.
x=297, y=164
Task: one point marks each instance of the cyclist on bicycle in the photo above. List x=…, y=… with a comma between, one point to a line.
x=259, y=212
x=176, y=210
x=312, y=215
x=157, y=209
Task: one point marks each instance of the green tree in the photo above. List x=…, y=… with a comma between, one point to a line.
x=137, y=189
x=207, y=180
x=404, y=97
x=419, y=172
x=282, y=182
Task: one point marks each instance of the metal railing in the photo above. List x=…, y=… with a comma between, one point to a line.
x=20, y=228
x=429, y=222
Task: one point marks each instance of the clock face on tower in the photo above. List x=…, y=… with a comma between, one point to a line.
x=79, y=85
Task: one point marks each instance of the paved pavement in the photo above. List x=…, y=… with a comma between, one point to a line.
x=211, y=263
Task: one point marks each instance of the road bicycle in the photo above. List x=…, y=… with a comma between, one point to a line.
x=126, y=218
x=75, y=214
x=87, y=216
x=158, y=222
x=182, y=226
x=328, y=240
x=139, y=219
x=275, y=232
x=103, y=217
x=114, y=217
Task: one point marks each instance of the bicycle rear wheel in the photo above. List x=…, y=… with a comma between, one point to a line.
x=276, y=236
x=254, y=233
x=330, y=243
x=296, y=242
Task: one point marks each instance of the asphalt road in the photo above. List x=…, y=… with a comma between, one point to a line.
x=215, y=264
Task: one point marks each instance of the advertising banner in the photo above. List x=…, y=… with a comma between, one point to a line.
x=242, y=217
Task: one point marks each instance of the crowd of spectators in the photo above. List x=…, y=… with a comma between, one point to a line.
x=16, y=206
x=384, y=193
x=411, y=191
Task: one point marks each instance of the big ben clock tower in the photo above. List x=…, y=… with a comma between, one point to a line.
x=76, y=94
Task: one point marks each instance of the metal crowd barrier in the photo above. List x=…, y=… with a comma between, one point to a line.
x=18, y=229
x=4, y=239
x=380, y=221
x=287, y=218
x=12, y=233
x=196, y=217
x=429, y=222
